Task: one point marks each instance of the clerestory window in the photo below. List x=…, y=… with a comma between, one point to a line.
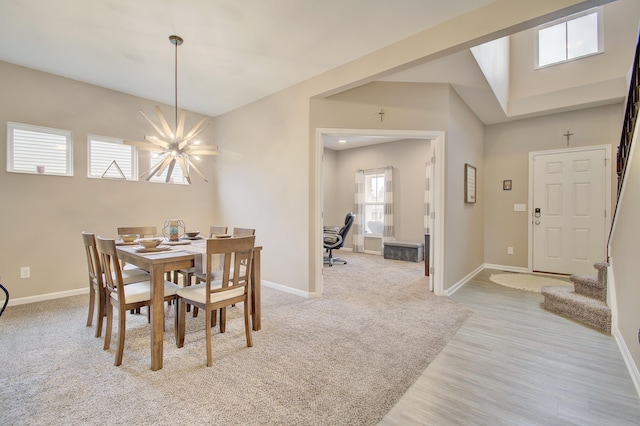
x=570, y=38
x=110, y=158
x=39, y=150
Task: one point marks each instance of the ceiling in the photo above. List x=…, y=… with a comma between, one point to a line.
x=234, y=52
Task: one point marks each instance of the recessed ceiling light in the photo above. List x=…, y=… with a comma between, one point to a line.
x=342, y=141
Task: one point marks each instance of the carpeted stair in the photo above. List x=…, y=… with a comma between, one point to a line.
x=586, y=302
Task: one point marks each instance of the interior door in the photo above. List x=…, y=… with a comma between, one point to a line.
x=569, y=211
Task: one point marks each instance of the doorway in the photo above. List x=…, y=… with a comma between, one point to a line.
x=436, y=241
x=570, y=203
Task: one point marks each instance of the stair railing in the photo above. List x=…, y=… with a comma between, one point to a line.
x=628, y=128
x=630, y=118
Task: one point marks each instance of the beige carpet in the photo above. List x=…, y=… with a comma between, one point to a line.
x=343, y=359
x=527, y=282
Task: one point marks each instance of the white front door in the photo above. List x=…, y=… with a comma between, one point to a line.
x=569, y=210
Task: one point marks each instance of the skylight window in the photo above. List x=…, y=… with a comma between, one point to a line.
x=571, y=38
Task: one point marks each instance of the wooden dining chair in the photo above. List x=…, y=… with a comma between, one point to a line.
x=217, y=274
x=234, y=287
x=6, y=297
x=96, y=280
x=143, y=231
x=124, y=297
x=243, y=232
x=187, y=274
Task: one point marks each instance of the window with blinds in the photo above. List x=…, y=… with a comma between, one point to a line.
x=177, y=176
x=110, y=158
x=34, y=149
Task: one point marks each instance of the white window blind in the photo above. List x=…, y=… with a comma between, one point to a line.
x=110, y=158
x=177, y=176
x=34, y=149
x=573, y=37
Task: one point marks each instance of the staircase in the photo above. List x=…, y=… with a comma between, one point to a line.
x=586, y=302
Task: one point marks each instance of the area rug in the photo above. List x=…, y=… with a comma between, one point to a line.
x=527, y=282
x=345, y=358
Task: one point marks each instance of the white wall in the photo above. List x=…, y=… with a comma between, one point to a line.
x=494, y=61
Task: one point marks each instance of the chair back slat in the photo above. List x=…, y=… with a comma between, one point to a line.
x=217, y=230
x=143, y=231
x=243, y=232
x=93, y=258
x=111, y=266
x=238, y=256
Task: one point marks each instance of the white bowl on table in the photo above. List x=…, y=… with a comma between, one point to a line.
x=149, y=242
x=129, y=238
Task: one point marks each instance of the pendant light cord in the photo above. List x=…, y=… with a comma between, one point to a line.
x=176, y=87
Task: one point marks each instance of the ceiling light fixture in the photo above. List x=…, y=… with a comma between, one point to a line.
x=173, y=145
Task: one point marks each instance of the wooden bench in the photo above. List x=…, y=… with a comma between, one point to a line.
x=400, y=250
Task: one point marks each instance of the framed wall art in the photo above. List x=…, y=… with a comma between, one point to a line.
x=469, y=183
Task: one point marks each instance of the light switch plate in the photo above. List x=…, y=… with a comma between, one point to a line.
x=519, y=207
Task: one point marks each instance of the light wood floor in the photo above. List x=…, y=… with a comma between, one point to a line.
x=514, y=363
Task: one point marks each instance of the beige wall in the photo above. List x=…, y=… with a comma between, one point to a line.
x=332, y=187
x=464, y=231
x=507, y=148
x=42, y=216
x=408, y=158
x=534, y=89
x=267, y=178
x=278, y=128
x=407, y=106
x=624, y=253
x=430, y=107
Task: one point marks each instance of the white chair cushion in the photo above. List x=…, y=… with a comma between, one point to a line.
x=141, y=291
x=134, y=275
x=197, y=293
x=217, y=275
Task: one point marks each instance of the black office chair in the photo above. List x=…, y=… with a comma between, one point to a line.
x=334, y=237
x=6, y=300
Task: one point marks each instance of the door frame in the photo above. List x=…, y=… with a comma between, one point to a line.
x=607, y=189
x=437, y=139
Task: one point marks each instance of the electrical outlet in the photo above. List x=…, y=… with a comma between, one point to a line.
x=509, y=250
x=25, y=272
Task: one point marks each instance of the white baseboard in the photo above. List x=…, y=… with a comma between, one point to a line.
x=507, y=268
x=628, y=359
x=285, y=289
x=463, y=281
x=85, y=290
x=48, y=296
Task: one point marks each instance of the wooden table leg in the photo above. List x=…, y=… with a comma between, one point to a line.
x=157, y=316
x=255, y=289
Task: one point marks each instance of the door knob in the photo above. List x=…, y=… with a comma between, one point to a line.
x=537, y=222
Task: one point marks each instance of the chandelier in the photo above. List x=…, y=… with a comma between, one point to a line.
x=174, y=146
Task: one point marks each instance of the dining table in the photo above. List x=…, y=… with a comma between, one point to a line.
x=171, y=256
